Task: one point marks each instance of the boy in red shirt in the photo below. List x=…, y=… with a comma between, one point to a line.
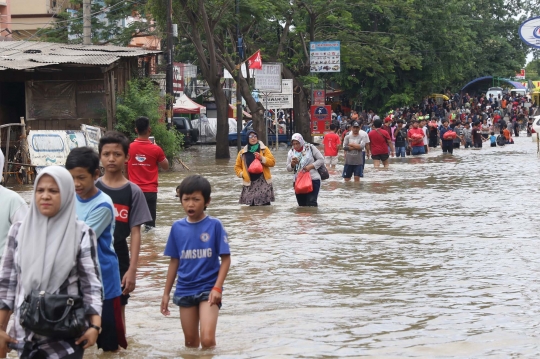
x=331, y=142
x=144, y=158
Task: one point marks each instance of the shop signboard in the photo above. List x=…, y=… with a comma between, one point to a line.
x=321, y=118
x=529, y=32
x=319, y=97
x=325, y=56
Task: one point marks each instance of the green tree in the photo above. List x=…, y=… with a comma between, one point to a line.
x=200, y=21
x=112, y=22
x=142, y=98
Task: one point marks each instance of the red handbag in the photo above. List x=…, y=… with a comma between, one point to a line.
x=255, y=167
x=303, y=183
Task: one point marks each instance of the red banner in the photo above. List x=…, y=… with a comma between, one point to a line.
x=319, y=98
x=321, y=118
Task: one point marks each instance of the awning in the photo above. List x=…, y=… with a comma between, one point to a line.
x=185, y=105
x=487, y=81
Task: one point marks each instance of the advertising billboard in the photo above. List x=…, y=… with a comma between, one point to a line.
x=529, y=32
x=325, y=56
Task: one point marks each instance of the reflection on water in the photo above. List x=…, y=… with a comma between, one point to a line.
x=434, y=258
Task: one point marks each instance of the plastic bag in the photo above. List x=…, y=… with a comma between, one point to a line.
x=449, y=135
x=255, y=167
x=303, y=183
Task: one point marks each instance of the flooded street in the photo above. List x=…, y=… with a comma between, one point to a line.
x=435, y=258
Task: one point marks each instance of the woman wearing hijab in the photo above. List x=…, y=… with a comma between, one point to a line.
x=50, y=251
x=305, y=157
x=258, y=189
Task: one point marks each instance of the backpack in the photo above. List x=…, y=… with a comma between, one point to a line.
x=501, y=140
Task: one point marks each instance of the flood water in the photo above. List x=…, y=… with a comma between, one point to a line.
x=436, y=257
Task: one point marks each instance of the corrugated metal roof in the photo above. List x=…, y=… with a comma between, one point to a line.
x=21, y=55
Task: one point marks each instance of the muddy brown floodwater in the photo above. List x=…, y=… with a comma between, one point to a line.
x=437, y=257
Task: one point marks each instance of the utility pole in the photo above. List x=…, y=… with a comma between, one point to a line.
x=239, y=114
x=87, y=23
x=170, y=52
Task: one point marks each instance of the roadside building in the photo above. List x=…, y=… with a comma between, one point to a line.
x=61, y=86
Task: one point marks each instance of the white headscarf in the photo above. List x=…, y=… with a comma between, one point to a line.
x=48, y=247
x=304, y=155
x=298, y=137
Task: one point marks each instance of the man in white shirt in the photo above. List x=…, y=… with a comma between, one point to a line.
x=423, y=125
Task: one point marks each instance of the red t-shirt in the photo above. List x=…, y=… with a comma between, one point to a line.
x=144, y=157
x=331, y=142
x=378, y=141
x=419, y=131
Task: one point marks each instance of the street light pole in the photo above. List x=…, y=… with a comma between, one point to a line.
x=170, y=52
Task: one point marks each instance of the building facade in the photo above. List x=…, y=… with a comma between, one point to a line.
x=5, y=20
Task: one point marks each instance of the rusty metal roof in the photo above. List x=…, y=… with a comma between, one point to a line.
x=22, y=55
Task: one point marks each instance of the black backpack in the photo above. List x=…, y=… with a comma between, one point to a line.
x=501, y=140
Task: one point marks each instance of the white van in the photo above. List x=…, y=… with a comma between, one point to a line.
x=520, y=92
x=495, y=91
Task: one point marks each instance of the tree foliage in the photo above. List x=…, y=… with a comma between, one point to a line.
x=394, y=52
x=113, y=21
x=142, y=98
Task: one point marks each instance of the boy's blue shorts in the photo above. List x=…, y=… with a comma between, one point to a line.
x=192, y=300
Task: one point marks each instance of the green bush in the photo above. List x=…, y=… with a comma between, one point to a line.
x=142, y=98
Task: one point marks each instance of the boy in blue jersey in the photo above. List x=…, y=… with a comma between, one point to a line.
x=96, y=209
x=195, y=246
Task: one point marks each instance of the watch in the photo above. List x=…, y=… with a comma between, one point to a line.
x=95, y=327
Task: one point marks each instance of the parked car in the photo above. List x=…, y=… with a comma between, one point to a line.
x=282, y=138
x=183, y=125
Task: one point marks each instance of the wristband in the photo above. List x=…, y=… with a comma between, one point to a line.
x=217, y=289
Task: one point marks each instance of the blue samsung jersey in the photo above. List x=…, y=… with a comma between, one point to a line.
x=98, y=213
x=198, y=247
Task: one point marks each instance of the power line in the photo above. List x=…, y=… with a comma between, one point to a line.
x=109, y=8
x=80, y=17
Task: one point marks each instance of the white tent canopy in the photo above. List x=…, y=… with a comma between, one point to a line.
x=185, y=105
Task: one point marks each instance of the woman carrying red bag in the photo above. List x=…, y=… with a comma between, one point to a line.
x=253, y=166
x=304, y=159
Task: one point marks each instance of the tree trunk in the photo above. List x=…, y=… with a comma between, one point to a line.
x=222, y=132
x=302, y=121
x=257, y=109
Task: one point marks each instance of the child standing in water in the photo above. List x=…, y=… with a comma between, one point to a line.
x=195, y=246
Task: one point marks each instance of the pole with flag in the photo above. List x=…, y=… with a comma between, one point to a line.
x=255, y=61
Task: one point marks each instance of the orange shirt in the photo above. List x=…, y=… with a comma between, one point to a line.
x=503, y=103
x=506, y=134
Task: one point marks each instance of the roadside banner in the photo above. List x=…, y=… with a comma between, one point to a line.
x=321, y=118
x=269, y=78
x=277, y=100
x=280, y=100
x=319, y=97
x=325, y=56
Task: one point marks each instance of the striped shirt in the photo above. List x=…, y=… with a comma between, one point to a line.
x=84, y=275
